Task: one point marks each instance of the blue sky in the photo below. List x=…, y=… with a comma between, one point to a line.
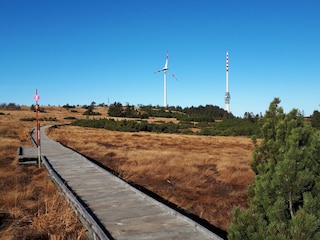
x=105, y=51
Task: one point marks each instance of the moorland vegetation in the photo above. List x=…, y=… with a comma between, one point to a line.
x=31, y=207
x=210, y=151
x=203, y=120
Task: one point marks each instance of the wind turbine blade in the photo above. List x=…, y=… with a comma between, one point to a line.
x=158, y=71
x=173, y=75
x=166, y=64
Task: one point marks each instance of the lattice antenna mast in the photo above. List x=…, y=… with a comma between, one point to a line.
x=227, y=95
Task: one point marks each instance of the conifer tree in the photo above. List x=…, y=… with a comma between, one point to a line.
x=315, y=119
x=284, y=199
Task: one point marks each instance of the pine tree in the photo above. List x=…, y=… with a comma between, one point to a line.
x=315, y=119
x=284, y=199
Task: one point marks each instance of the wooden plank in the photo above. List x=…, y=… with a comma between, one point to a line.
x=110, y=215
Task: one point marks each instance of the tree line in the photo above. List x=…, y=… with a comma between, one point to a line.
x=10, y=106
x=228, y=127
x=206, y=113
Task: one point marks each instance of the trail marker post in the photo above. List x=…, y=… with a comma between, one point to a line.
x=37, y=97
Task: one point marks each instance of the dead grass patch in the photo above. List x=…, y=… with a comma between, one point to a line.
x=205, y=175
x=30, y=205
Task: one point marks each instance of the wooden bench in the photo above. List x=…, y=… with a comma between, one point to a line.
x=27, y=155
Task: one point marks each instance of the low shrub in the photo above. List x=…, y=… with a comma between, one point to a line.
x=28, y=119
x=228, y=127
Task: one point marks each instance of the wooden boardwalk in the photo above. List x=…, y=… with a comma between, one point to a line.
x=122, y=211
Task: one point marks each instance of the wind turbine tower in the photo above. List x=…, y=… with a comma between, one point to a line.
x=164, y=70
x=227, y=95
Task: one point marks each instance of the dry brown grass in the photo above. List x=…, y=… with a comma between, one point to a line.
x=206, y=176
x=30, y=205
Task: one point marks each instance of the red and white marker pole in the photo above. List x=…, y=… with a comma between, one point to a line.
x=37, y=97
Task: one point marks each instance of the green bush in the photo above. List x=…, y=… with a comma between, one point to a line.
x=128, y=125
x=228, y=127
x=117, y=110
x=52, y=119
x=91, y=113
x=10, y=106
x=28, y=119
x=70, y=117
x=67, y=106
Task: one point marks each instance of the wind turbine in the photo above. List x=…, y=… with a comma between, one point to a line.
x=164, y=70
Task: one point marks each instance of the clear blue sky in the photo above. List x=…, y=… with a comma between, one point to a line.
x=81, y=51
